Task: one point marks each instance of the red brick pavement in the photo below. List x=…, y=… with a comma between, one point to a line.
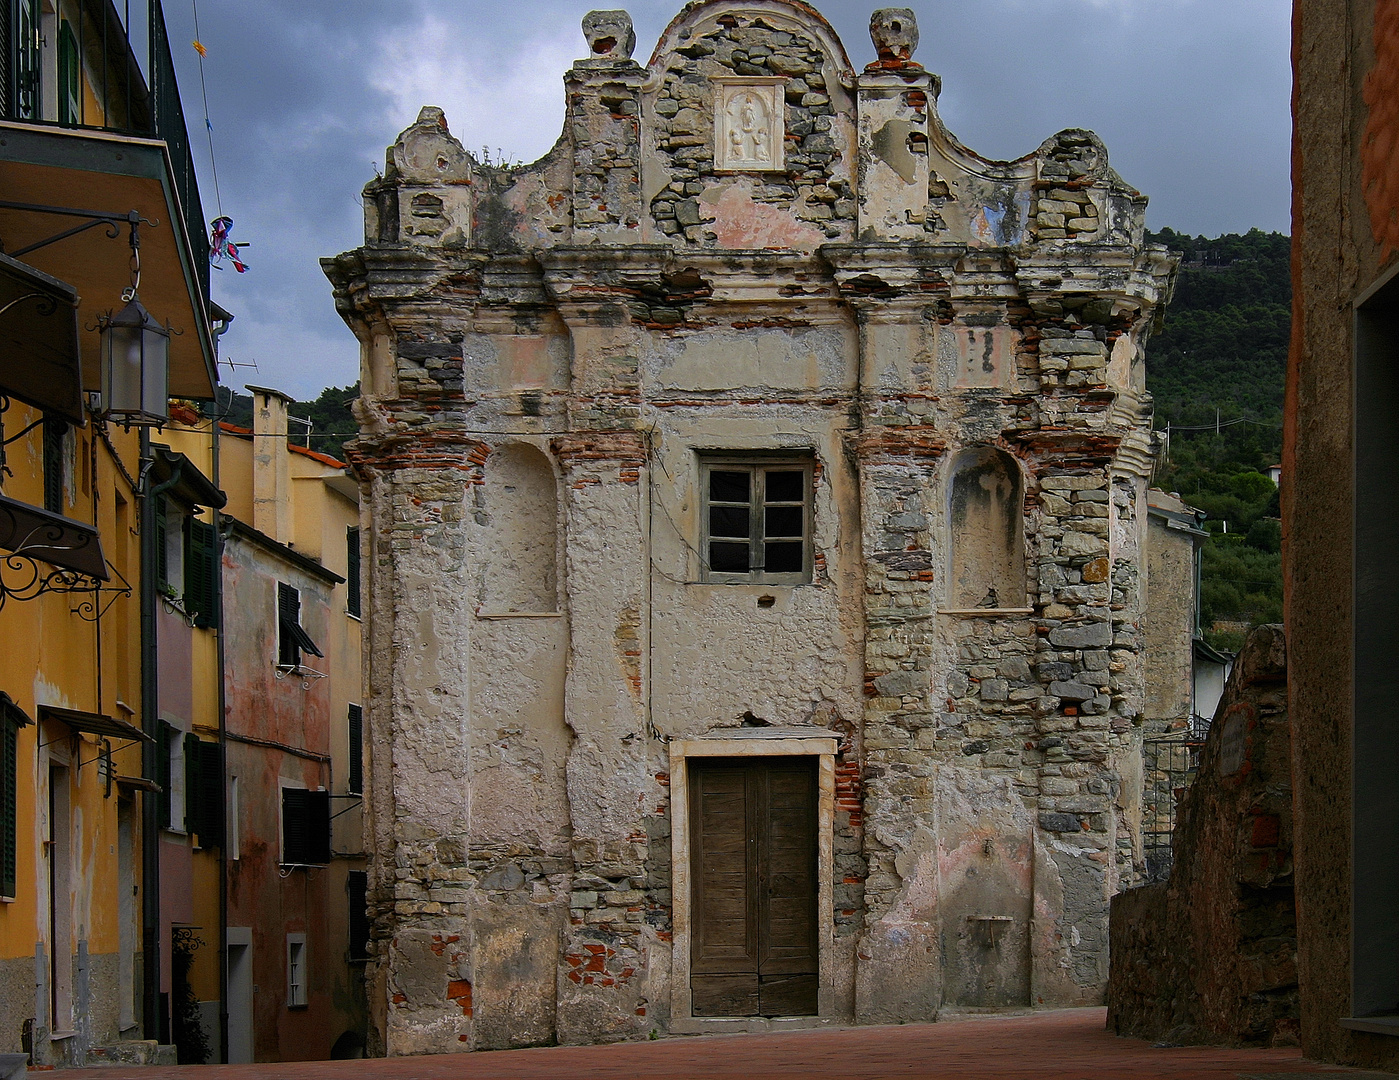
x=1061, y=1045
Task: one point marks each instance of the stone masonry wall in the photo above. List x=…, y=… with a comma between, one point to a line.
x=746, y=247
x=1209, y=955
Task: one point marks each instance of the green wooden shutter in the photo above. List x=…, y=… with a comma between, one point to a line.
x=356, y=725
x=70, y=105
x=357, y=886
x=164, y=737
x=288, y=616
x=9, y=826
x=305, y=827
x=162, y=575
x=201, y=573
x=352, y=571
x=318, y=826
x=55, y=432
x=293, y=825
x=193, y=783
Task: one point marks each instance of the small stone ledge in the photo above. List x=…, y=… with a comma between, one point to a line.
x=986, y=612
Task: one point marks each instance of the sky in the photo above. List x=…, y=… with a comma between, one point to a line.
x=304, y=96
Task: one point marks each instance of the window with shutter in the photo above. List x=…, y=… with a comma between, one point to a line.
x=55, y=434
x=208, y=804
x=201, y=572
x=9, y=778
x=292, y=640
x=357, y=885
x=356, y=750
x=70, y=104
x=162, y=554
x=352, y=571
x=305, y=827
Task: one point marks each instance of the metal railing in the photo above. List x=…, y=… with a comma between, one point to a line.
x=119, y=53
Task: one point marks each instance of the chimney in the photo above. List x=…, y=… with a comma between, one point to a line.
x=272, y=512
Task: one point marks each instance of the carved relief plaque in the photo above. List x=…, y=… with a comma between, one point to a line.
x=749, y=124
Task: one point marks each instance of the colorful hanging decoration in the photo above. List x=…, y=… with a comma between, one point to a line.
x=199, y=48
x=219, y=247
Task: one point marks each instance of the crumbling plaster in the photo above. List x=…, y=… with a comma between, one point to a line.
x=623, y=307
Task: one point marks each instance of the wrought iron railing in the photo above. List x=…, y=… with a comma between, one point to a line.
x=119, y=50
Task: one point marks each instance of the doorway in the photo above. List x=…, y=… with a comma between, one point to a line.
x=240, y=995
x=754, y=948
x=60, y=901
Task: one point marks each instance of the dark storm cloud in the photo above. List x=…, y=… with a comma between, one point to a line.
x=1191, y=97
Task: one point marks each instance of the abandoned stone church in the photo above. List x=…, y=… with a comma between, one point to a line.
x=757, y=492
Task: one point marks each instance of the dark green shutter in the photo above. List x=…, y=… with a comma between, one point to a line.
x=209, y=813
x=162, y=570
x=201, y=573
x=288, y=615
x=9, y=826
x=194, y=778
x=55, y=430
x=352, y=571
x=357, y=885
x=356, y=750
x=165, y=739
x=305, y=826
x=70, y=104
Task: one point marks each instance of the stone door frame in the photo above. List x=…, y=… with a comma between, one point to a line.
x=752, y=742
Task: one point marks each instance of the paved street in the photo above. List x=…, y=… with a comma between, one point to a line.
x=1062, y=1045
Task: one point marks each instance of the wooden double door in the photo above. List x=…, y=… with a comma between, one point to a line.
x=753, y=864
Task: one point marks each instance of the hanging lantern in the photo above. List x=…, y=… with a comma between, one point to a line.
x=135, y=367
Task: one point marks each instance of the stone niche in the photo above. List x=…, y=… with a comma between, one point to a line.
x=749, y=124
x=987, y=521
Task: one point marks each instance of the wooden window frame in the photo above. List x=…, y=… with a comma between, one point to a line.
x=757, y=465
x=298, y=962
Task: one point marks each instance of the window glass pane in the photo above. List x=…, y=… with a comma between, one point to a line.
x=783, y=521
x=783, y=559
x=728, y=558
x=729, y=521
x=729, y=486
x=785, y=486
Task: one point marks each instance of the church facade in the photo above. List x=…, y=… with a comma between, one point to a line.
x=755, y=498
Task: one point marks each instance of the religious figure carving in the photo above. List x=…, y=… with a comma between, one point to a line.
x=749, y=119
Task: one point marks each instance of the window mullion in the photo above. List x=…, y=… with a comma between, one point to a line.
x=757, y=494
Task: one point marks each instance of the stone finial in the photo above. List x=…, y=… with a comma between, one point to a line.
x=895, y=34
x=610, y=35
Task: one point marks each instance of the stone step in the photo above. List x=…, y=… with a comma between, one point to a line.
x=130, y=1052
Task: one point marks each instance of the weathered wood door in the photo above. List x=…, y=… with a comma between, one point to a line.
x=753, y=869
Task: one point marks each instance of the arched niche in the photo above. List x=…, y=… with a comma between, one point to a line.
x=986, y=523
x=521, y=500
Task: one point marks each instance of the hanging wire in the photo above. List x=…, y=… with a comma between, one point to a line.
x=208, y=124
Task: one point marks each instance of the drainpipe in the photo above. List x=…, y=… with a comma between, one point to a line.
x=150, y=723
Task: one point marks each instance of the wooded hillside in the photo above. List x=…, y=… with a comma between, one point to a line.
x=1217, y=370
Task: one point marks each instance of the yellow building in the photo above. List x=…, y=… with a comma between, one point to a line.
x=98, y=207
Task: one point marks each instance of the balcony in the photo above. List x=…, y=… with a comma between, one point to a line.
x=91, y=126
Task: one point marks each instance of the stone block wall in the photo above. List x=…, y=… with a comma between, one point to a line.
x=747, y=249
x=1209, y=955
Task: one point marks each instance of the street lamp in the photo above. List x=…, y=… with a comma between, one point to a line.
x=135, y=366
x=135, y=355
